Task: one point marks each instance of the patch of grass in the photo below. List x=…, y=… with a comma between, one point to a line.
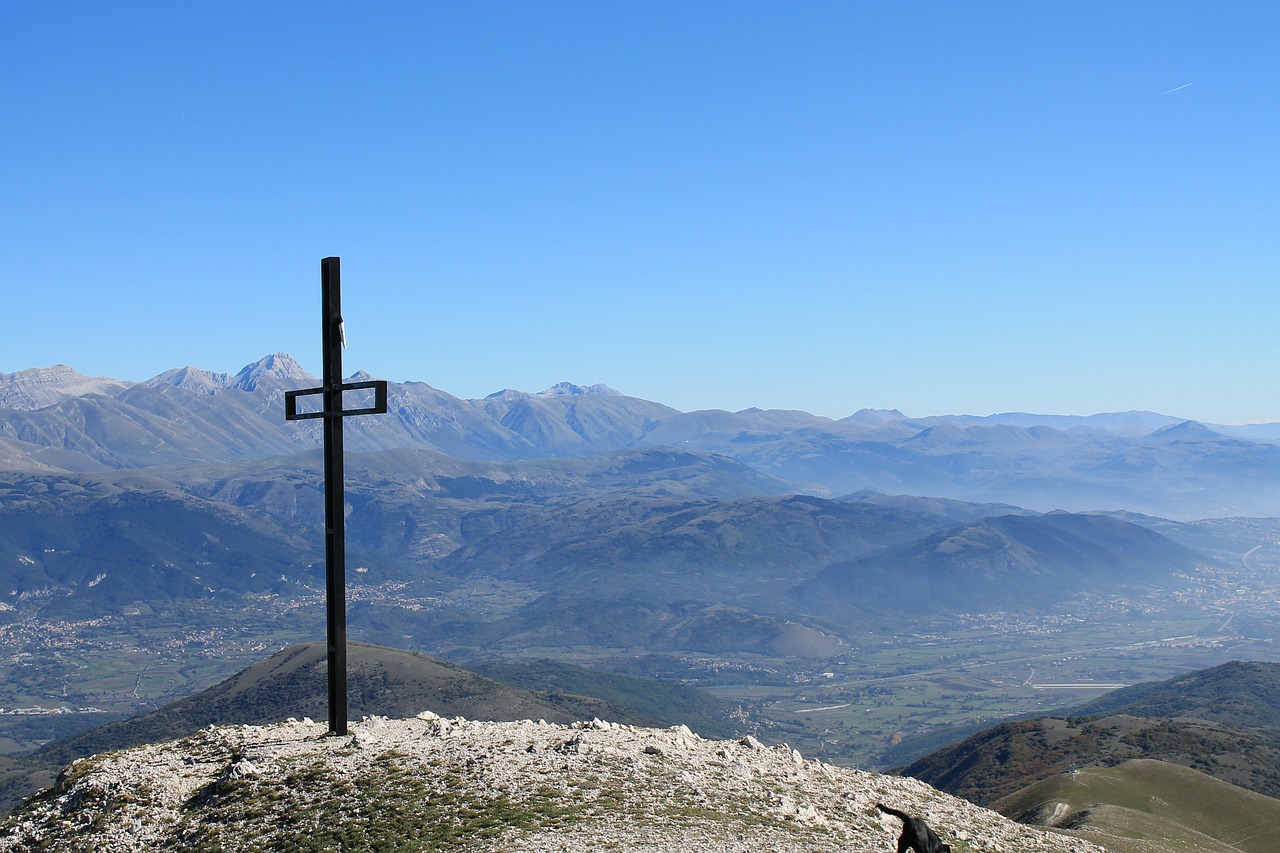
x=395, y=806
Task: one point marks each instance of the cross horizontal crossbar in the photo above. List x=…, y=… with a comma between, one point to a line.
x=379, y=406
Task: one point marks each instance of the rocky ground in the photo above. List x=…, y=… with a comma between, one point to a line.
x=456, y=785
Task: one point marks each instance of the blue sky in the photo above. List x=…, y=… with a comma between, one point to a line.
x=941, y=207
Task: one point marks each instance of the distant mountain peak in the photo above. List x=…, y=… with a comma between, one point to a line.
x=560, y=389
x=507, y=394
x=37, y=387
x=1188, y=431
x=53, y=373
x=280, y=366
x=192, y=379
x=875, y=416
x=566, y=389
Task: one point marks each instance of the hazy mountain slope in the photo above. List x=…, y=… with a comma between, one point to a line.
x=689, y=547
x=1229, y=539
x=724, y=629
x=1119, y=423
x=670, y=550
x=672, y=574
x=88, y=539
x=1131, y=805
x=710, y=575
x=1042, y=462
x=955, y=512
x=421, y=505
x=22, y=456
x=574, y=420
x=641, y=620
x=1239, y=693
x=912, y=457
x=112, y=432
x=1007, y=562
x=742, y=434
x=653, y=559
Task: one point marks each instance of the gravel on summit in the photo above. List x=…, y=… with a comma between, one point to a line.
x=430, y=783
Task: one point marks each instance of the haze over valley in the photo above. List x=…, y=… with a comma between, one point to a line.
x=865, y=588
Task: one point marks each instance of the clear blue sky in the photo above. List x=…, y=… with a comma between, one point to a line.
x=941, y=207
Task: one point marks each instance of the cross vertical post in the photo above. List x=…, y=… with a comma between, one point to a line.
x=332, y=411
x=335, y=516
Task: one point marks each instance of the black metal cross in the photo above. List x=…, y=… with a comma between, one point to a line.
x=335, y=549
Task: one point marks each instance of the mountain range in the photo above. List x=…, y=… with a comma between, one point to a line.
x=591, y=555
x=192, y=486
x=54, y=419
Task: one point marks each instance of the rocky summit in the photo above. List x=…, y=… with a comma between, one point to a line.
x=430, y=783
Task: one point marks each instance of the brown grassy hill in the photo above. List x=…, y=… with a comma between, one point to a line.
x=380, y=680
x=1001, y=760
x=1130, y=807
x=1223, y=721
x=293, y=683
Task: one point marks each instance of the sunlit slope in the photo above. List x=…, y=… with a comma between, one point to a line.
x=1144, y=805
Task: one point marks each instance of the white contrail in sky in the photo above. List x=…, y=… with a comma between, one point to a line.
x=1176, y=88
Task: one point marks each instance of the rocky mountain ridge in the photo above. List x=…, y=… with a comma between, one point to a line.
x=454, y=784
x=38, y=387
x=1003, y=561
x=55, y=419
